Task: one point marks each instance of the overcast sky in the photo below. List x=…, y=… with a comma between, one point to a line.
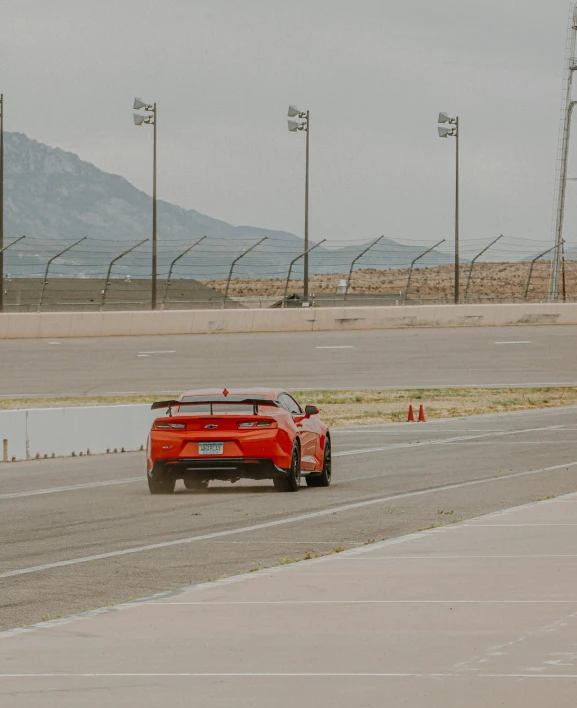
x=374, y=74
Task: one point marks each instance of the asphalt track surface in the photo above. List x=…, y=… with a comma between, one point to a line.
x=479, y=613
x=466, y=356
x=82, y=533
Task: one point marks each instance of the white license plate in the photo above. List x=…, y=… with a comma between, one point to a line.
x=210, y=448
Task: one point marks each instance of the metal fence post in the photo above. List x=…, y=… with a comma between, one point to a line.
x=473, y=263
x=533, y=263
x=413, y=263
x=242, y=255
x=172, y=266
x=294, y=260
x=112, y=262
x=44, y=282
x=5, y=248
x=368, y=248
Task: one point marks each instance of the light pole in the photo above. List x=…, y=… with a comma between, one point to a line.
x=454, y=133
x=567, y=109
x=1, y=202
x=149, y=118
x=294, y=126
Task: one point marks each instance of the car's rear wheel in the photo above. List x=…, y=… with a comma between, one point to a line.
x=195, y=484
x=292, y=482
x=160, y=482
x=324, y=478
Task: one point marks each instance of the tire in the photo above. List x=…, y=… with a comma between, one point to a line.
x=195, y=484
x=324, y=478
x=292, y=482
x=159, y=482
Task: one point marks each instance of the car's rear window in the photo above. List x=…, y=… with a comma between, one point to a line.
x=217, y=408
x=193, y=410
x=232, y=408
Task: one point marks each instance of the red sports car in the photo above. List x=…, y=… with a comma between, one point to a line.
x=230, y=435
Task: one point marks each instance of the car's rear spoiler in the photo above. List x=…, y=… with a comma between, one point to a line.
x=202, y=400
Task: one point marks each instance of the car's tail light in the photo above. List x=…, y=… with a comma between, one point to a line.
x=170, y=426
x=257, y=424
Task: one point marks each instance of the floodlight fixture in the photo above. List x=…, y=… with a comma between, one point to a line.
x=453, y=132
x=138, y=104
x=294, y=125
x=293, y=111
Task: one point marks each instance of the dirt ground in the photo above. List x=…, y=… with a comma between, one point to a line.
x=507, y=281
x=367, y=407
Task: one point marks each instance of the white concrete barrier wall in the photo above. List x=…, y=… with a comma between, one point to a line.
x=60, y=432
x=12, y=435
x=107, y=324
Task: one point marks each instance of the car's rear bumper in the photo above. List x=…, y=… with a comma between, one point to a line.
x=226, y=468
x=272, y=445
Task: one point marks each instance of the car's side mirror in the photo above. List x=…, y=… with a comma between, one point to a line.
x=311, y=410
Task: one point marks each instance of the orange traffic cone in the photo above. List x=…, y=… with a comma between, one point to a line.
x=411, y=418
x=421, y=414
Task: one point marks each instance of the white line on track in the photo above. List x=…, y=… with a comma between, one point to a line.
x=71, y=487
x=347, y=346
x=509, y=526
x=518, y=442
x=519, y=342
x=151, y=674
x=282, y=522
x=436, y=558
x=226, y=603
x=445, y=441
x=291, y=543
x=396, y=429
x=167, y=351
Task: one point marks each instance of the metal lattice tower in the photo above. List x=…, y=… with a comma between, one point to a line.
x=567, y=105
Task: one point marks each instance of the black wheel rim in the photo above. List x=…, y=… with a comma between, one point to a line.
x=328, y=465
x=296, y=468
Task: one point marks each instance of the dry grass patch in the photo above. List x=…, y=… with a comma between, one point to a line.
x=367, y=407
x=74, y=401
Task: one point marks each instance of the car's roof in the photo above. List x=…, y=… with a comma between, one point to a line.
x=270, y=393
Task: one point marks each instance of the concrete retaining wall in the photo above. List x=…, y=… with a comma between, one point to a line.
x=107, y=324
x=60, y=432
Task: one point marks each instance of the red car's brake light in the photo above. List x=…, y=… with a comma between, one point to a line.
x=170, y=426
x=257, y=424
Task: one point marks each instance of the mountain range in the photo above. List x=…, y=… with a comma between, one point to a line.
x=55, y=198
